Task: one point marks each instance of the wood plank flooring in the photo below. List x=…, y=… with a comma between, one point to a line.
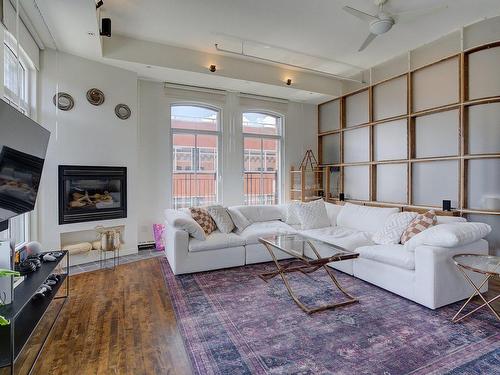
x=121, y=322
x=116, y=322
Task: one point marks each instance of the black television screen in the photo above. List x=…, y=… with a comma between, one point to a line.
x=23, y=145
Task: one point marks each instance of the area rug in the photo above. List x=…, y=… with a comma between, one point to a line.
x=234, y=323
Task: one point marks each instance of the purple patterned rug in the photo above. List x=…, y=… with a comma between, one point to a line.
x=234, y=323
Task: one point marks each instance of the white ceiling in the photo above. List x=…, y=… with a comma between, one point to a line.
x=314, y=27
x=313, y=33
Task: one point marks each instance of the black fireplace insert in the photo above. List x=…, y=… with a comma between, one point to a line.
x=92, y=193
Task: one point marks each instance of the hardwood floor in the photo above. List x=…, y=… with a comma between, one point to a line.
x=116, y=322
x=121, y=322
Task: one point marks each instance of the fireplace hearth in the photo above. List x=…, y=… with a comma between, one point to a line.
x=89, y=193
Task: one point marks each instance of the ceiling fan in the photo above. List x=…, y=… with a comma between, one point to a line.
x=383, y=21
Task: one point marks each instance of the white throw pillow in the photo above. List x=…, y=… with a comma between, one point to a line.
x=221, y=217
x=364, y=218
x=393, y=228
x=333, y=211
x=291, y=213
x=312, y=215
x=239, y=220
x=449, y=235
x=182, y=220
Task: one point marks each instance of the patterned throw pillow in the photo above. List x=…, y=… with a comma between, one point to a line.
x=203, y=218
x=421, y=223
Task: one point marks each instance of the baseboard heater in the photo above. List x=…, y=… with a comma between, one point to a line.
x=146, y=246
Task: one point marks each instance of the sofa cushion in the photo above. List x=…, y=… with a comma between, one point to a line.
x=252, y=233
x=449, y=235
x=450, y=219
x=259, y=213
x=364, y=218
x=312, y=215
x=393, y=254
x=393, y=228
x=347, y=238
x=419, y=224
x=216, y=240
x=183, y=221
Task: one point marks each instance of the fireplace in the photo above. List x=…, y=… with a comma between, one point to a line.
x=92, y=193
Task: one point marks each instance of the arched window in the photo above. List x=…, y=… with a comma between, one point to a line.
x=195, y=155
x=262, y=137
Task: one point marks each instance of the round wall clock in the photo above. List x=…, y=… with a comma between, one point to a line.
x=64, y=101
x=122, y=111
x=95, y=96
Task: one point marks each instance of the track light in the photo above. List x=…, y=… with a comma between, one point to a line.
x=288, y=82
x=99, y=4
x=212, y=68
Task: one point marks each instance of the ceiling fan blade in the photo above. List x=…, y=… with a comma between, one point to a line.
x=359, y=14
x=414, y=14
x=367, y=41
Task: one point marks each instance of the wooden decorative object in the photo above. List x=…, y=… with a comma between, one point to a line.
x=306, y=182
x=122, y=111
x=63, y=101
x=463, y=156
x=95, y=96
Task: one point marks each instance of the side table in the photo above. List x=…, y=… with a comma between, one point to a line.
x=487, y=265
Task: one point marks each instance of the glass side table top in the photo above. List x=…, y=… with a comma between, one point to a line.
x=487, y=264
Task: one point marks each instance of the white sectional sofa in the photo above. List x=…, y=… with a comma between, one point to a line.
x=426, y=275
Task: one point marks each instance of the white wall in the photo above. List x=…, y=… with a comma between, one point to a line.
x=86, y=135
x=155, y=164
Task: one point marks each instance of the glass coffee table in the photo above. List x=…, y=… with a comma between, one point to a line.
x=307, y=258
x=487, y=265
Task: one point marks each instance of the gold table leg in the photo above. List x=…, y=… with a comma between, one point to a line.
x=304, y=269
x=477, y=292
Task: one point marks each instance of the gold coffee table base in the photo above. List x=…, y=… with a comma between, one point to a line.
x=305, y=269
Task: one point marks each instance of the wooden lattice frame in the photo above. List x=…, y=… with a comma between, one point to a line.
x=463, y=156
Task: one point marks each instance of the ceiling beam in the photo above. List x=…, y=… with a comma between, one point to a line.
x=123, y=48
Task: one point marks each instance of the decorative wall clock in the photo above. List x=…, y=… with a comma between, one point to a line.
x=64, y=101
x=95, y=96
x=122, y=111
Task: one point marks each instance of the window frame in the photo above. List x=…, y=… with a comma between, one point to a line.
x=280, y=136
x=195, y=157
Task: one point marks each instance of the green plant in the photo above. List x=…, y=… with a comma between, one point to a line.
x=4, y=273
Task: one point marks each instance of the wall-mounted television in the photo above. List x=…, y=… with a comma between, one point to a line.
x=23, y=145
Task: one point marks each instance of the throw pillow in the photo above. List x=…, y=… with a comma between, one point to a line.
x=449, y=235
x=291, y=213
x=393, y=228
x=183, y=221
x=313, y=215
x=203, y=218
x=419, y=224
x=222, y=219
x=239, y=220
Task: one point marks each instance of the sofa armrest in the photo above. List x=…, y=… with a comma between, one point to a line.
x=176, y=247
x=438, y=282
